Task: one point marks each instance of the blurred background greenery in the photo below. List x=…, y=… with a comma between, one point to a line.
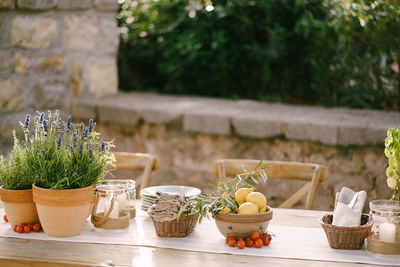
x=321, y=52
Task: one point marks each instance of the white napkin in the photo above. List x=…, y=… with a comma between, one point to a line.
x=344, y=215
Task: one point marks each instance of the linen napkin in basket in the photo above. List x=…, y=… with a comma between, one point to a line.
x=344, y=215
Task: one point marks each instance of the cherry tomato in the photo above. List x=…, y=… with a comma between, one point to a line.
x=240, y=238
x=30, y=225
x=240, y=244
x=232, y=243
x=266, y=235
x=5, y=218
x=36, y=227
x=22, y=225
x=19, y=229
x=255, y=235
x=258, y=243
x=27, y=229
x=266, y=241
x=229, y=237
x=15, y=228
x=249, y=242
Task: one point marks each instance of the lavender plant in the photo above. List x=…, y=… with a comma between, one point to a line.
x=64, y=155
x=14, y=171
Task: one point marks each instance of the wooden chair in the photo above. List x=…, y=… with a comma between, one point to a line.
x=314, y=173
x=145, y=163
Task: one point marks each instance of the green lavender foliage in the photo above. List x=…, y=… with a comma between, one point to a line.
x=14, y=172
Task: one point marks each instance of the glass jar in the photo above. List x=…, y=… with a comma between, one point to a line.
x=110, y=209
x=131, y=187
x=386, y=214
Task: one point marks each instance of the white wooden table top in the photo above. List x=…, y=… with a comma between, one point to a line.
x=26, y=252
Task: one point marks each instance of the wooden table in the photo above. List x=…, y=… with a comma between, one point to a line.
x=25, y=252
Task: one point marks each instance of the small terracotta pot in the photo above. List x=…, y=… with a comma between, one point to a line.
x=19, y=206
x=242, y=224
x=62, y=212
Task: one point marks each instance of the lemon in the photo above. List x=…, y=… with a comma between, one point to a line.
x=263, y=209
x=257, y=198
x=247, y=208
x=241, y=193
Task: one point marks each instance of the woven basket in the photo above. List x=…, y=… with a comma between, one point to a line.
x=176, y=228
x=346, y=237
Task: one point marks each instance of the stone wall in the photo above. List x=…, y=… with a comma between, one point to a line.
x=188, y=133
x=52, y=51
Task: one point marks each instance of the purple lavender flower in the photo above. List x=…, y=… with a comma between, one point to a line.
x=44, y=153
x=69, y=123
x=59, y=140
x=85, y=133
x=90, y=125
x=27, y=119
x=81, y=148
x=59, y=123
x=75, y=139
x=41, y=117
x=45, y=127
x=103, y=145
x=90, y=151
x=71, y=148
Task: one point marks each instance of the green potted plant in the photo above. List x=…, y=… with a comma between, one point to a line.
x=392, y=152
x=65, y=161
x=16, y=191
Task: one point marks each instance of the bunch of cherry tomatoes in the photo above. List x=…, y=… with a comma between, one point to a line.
x=255, y=240
x=25, y=227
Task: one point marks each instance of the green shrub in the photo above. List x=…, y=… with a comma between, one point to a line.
x=298, y=51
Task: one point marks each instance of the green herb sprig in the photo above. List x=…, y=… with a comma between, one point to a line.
x=224, y=194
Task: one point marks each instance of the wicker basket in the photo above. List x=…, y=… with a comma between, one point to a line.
x=176, y=228
x=345, y=237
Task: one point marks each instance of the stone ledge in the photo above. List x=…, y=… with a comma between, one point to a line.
x=330, y=126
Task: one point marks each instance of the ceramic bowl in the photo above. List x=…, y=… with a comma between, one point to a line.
x=243, y=224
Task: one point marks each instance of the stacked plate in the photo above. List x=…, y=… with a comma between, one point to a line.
x=148, y=194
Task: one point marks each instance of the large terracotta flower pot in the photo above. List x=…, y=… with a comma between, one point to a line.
x=62, y=212
x=19, y=206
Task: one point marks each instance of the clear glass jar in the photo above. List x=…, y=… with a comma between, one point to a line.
x=110, y=209
x=386, y=214
x=131, y=187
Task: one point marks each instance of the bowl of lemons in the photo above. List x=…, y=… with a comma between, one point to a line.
x=250, y=213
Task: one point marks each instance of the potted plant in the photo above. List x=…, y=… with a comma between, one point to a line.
x=392, y=152
x=65, y=161
x=16, y=192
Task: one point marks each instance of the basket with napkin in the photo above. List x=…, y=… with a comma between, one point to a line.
x=347, y=227
x=164, y=214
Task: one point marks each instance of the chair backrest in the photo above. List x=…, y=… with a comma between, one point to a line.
x=145, y=163
x=314, y=173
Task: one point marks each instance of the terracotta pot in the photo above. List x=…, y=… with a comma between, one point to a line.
x=243, y=224
x=62, y=212
x=19, y=206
